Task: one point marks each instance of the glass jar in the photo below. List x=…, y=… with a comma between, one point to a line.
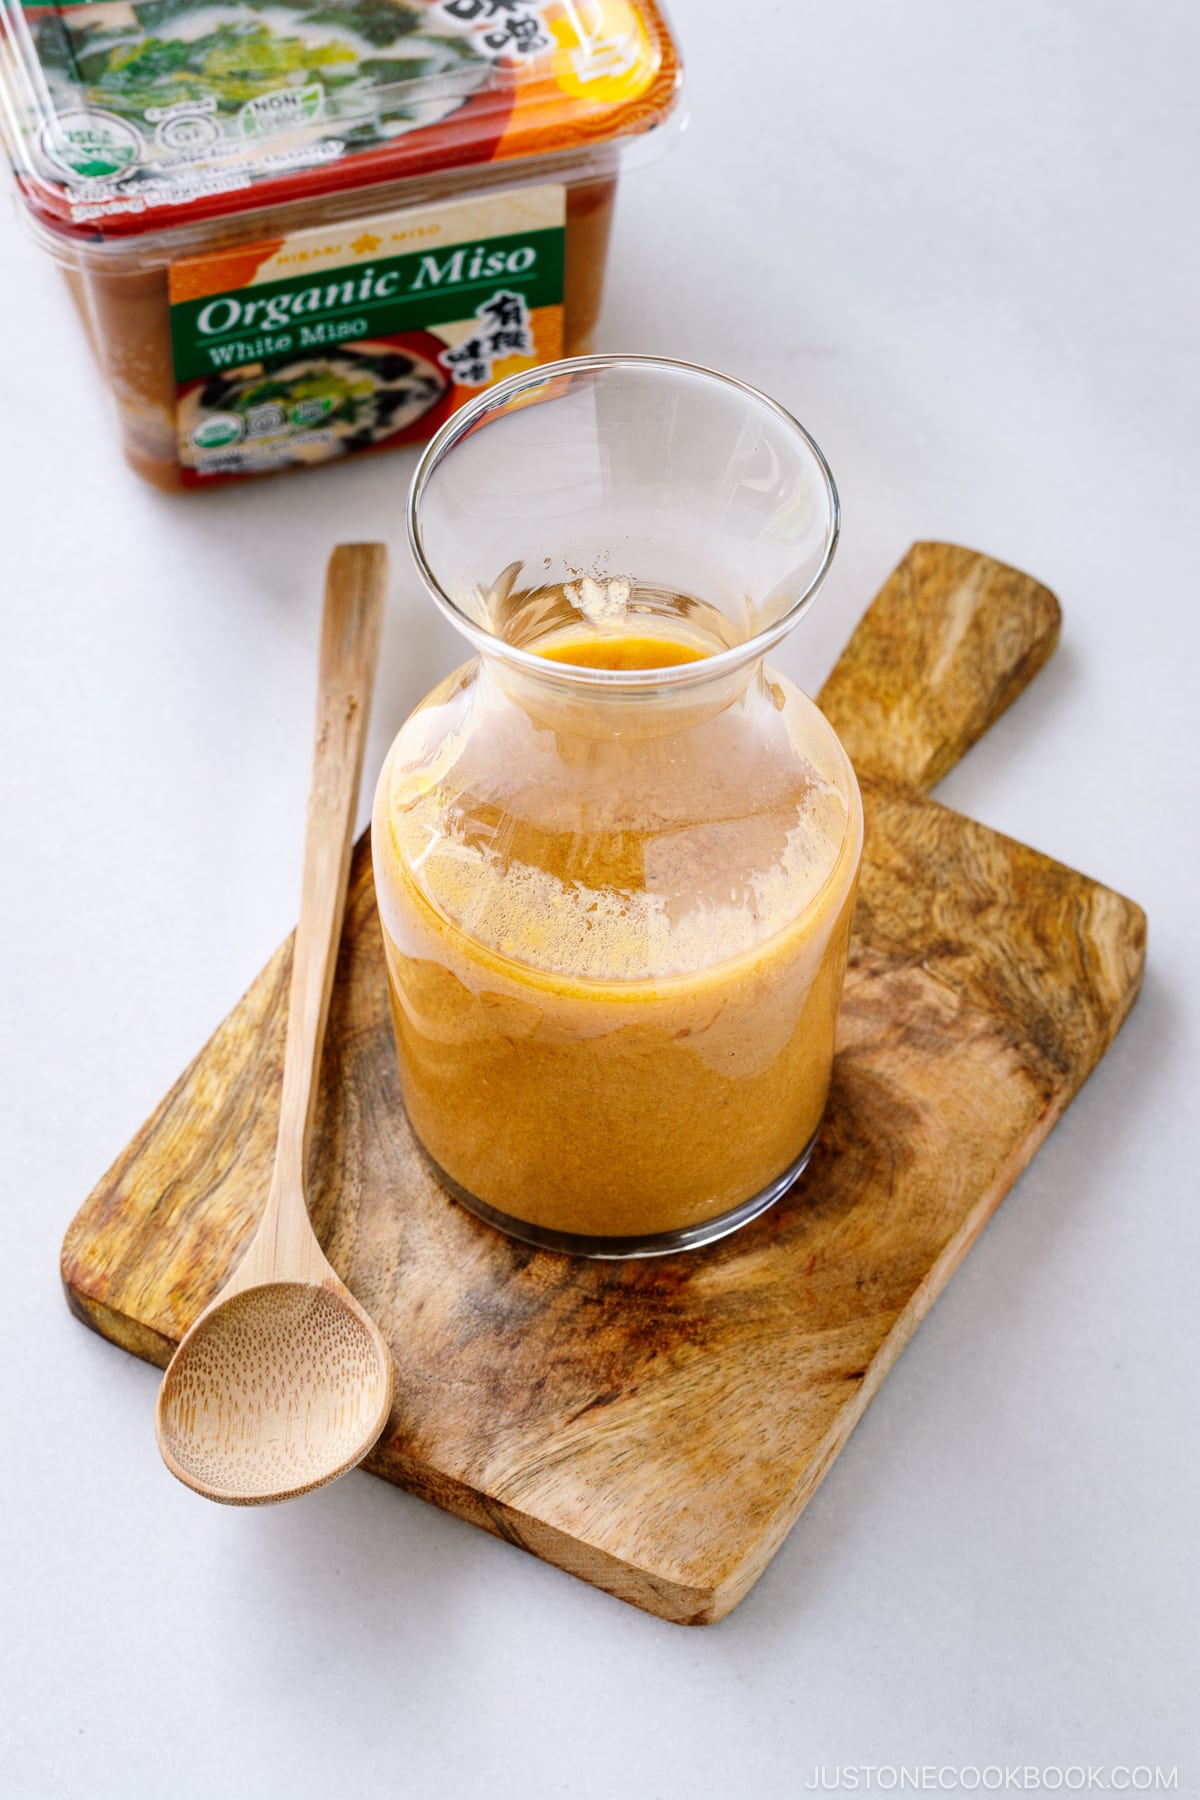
x=616, y=853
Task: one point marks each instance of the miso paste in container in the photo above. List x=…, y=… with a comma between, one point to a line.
x=297, y=230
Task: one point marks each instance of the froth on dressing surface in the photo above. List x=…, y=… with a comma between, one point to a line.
x=616, y=930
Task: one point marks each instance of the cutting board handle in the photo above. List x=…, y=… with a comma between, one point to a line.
x=947, y=644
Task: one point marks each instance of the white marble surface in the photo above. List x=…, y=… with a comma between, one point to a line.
x=959, y=241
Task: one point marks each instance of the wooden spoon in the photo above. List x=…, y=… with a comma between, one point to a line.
x=283, y=1382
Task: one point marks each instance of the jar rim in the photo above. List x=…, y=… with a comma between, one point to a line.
x=468, y=418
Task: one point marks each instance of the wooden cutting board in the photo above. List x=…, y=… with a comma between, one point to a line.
x=656, y=1427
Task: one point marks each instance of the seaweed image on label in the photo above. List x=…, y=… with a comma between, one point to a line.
x=365, y=70
x=307, y=409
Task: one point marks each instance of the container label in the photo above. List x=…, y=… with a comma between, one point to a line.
x=503, y=27
x=362, y=336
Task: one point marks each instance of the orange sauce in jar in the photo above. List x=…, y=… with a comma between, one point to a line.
x=615, y=958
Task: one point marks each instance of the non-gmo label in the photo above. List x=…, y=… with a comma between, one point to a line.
x=281, y=110
x=369, y=334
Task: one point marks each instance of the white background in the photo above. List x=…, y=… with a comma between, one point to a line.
x=959, y=241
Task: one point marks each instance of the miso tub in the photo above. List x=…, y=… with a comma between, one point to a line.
x=298, y=230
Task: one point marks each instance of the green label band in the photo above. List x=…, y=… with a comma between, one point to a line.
x=374, y=299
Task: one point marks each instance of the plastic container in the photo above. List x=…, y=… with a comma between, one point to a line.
x=616, y=855
x=301, y=229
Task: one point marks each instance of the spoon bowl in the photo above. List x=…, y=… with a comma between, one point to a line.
x=283, y=1382
x=274, y=1392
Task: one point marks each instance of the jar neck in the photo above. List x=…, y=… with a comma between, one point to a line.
x=573, y=703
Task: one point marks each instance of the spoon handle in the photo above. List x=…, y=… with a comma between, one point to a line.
x=355, y=584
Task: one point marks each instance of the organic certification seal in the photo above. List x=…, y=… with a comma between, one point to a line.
x=91, y=145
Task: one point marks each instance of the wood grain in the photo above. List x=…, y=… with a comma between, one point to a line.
x=655, y=1428
x=946, y=646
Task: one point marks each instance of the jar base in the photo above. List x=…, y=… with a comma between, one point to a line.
x=616, y=1249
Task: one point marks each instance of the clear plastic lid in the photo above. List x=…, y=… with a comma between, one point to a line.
x=127, y=116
